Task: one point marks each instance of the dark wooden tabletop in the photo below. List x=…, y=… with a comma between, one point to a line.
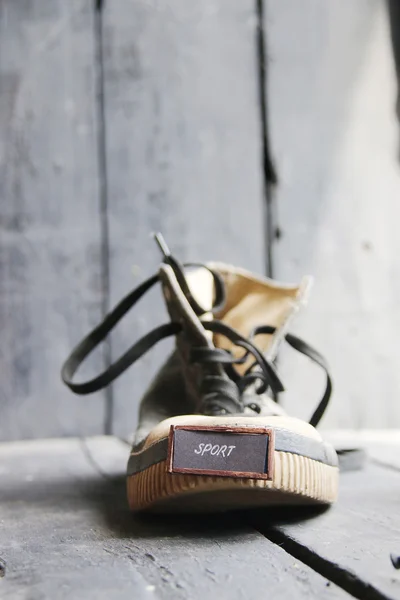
x=66, y=532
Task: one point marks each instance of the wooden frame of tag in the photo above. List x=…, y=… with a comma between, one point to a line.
x=224, y=429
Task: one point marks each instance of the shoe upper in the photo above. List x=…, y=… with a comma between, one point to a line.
x=249, y=300
x=228, y=325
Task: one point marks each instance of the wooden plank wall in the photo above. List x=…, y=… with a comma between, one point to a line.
x=134, y=117
x=51, y=287
x=184, y=152
x=335, y=139
x=121, y=118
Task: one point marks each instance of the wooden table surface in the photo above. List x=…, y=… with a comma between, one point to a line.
x=66, y=532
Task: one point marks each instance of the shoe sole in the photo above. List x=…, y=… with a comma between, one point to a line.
x=165, y=476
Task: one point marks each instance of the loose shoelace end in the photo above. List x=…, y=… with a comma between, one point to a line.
x=162, y=244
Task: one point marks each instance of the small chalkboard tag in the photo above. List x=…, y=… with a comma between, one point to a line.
x=223, y=451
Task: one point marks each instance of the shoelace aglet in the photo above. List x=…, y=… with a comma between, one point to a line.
x=162, y=244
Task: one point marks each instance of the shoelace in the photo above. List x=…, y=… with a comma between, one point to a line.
x=220, y=395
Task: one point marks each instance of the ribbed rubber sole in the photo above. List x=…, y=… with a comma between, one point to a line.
x=296, y=480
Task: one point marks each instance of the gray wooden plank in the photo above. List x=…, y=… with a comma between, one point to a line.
x=50, y=272
x=184, y=150
x=334, y=135
x=351, y=543
x=65, y=500
x=381, y=445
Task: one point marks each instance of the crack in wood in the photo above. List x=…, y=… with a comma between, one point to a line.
x=384, y=464
x=103, y=198
x=343, y=578
x=270, y=177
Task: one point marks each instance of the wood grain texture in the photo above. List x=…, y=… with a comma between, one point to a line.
x=362, y=529
x=335, y=140
x=65, y=500
x=351, y=543
x=184, y=151
x=50, y=273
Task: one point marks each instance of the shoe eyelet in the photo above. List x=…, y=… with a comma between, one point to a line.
x=255, y=407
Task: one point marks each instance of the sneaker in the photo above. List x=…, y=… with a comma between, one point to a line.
x=211, y=435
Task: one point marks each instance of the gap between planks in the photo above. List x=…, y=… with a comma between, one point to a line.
x=65, y=498
x=338, y=574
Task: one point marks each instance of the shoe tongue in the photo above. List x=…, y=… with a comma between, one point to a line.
x=201, y=285
x=252, y=302
x=193, y=334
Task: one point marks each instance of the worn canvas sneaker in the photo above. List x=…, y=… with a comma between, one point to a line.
x=211, y=435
